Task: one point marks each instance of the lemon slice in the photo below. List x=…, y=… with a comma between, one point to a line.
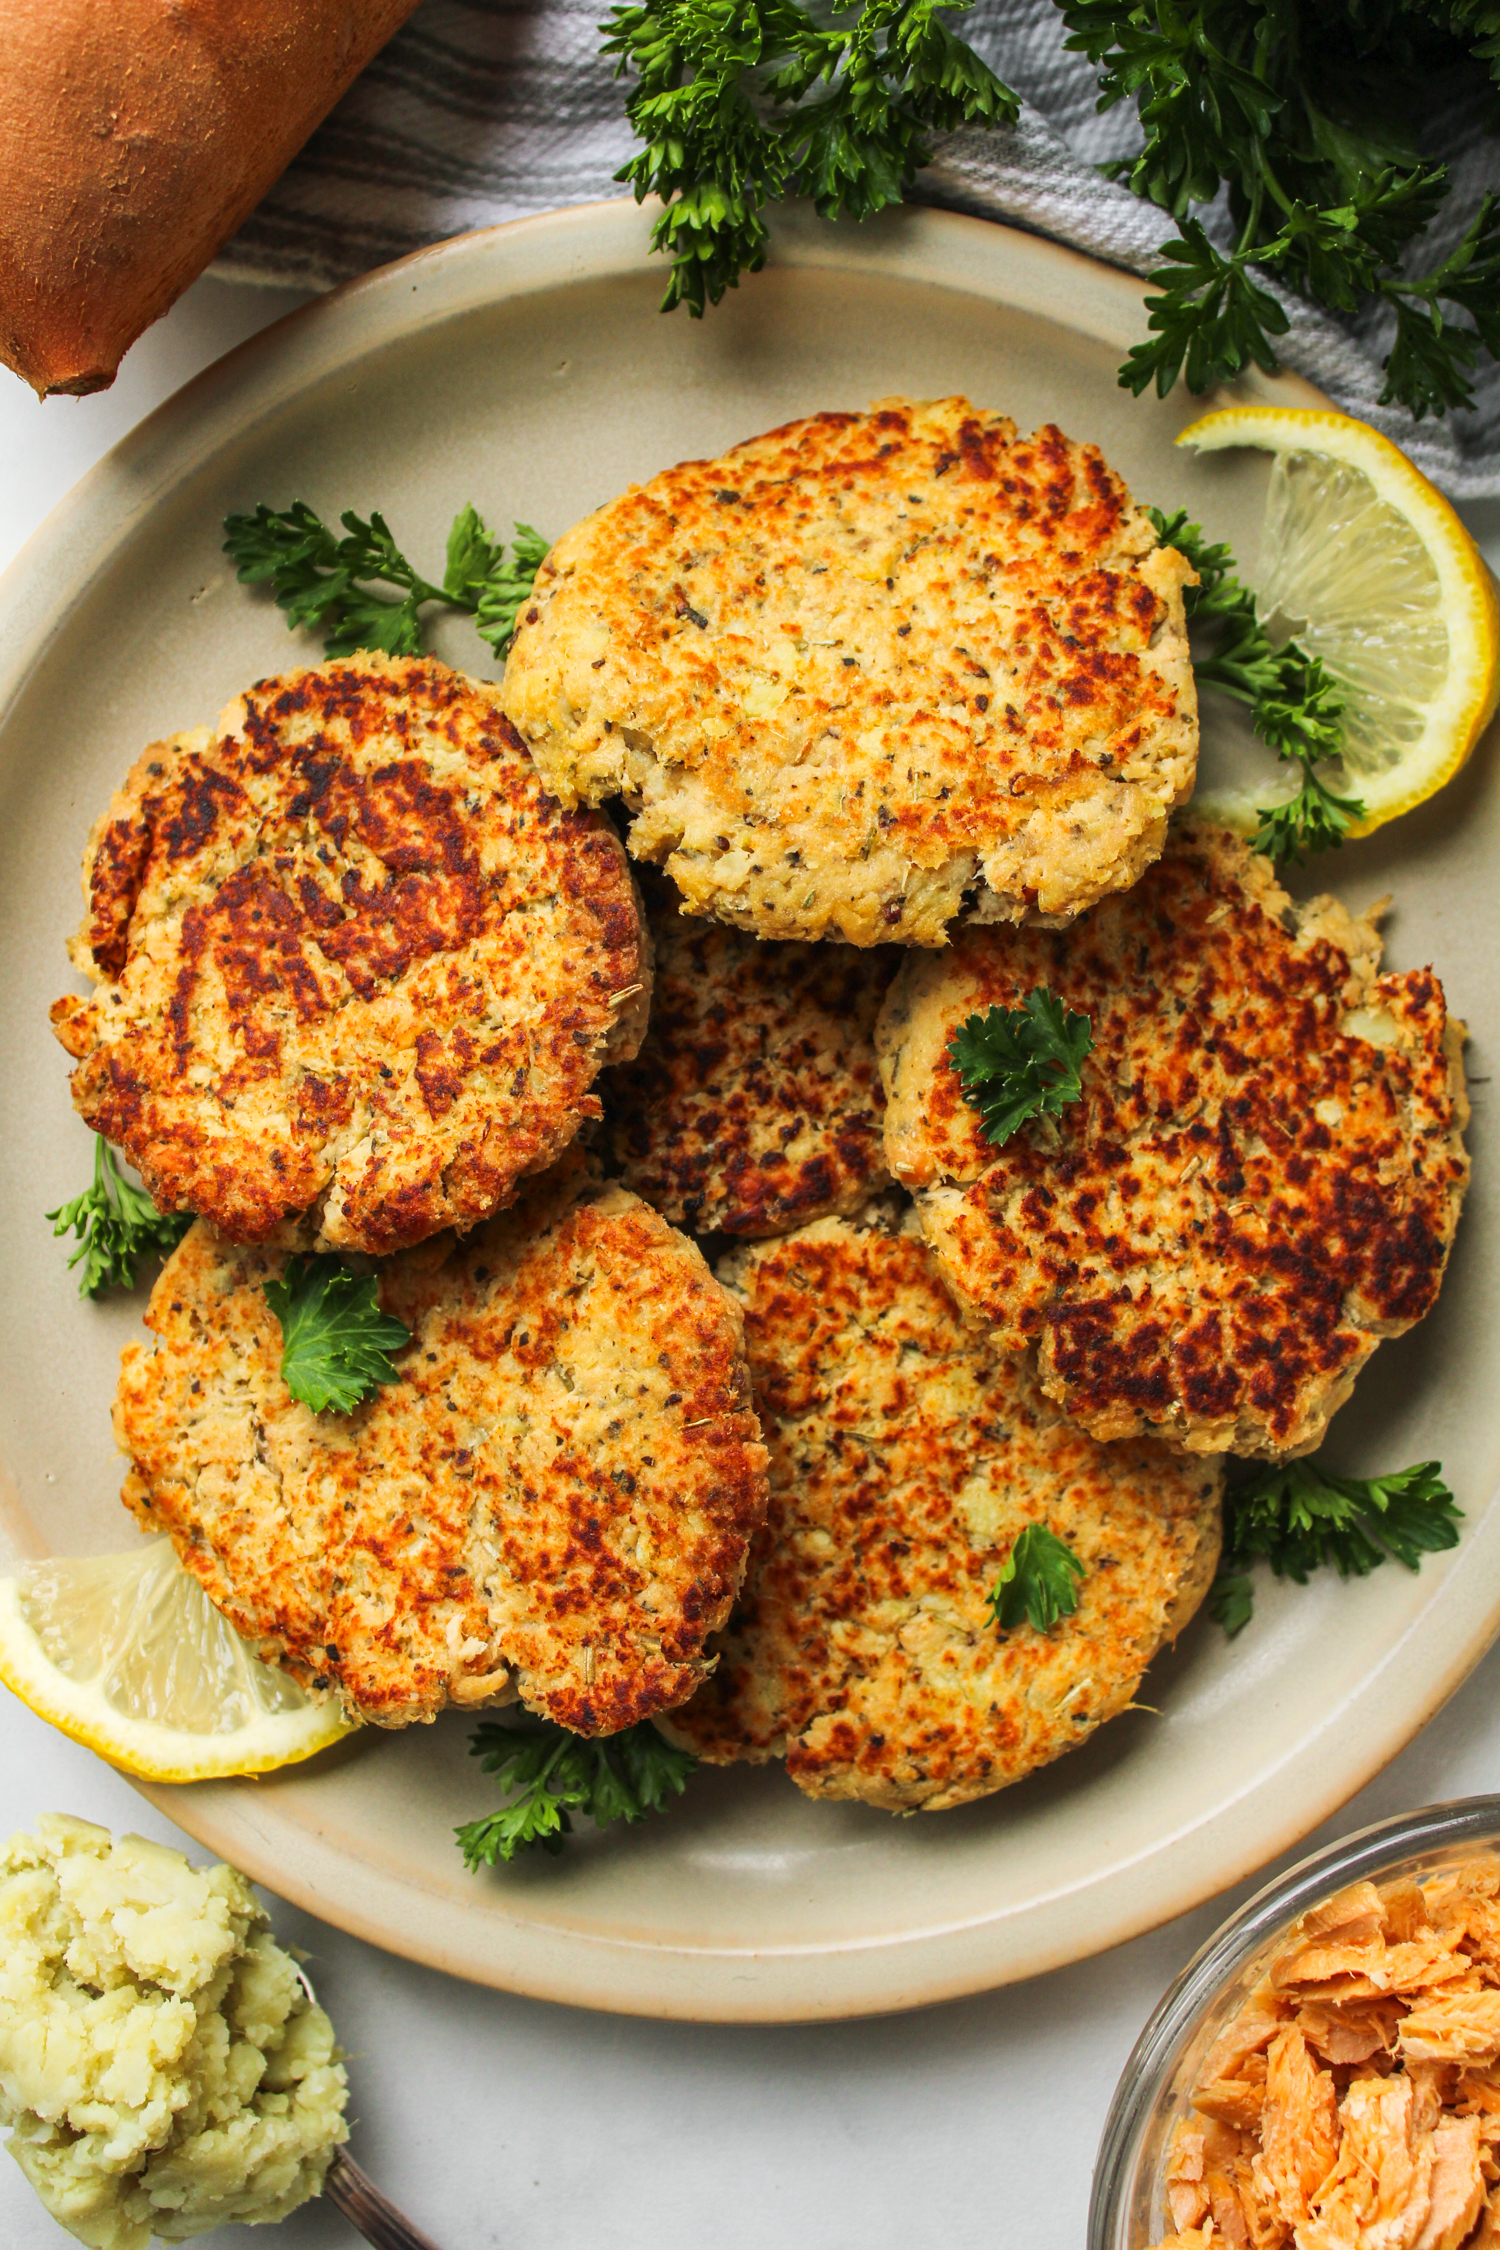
x=1367, y=566
x=127, y=1654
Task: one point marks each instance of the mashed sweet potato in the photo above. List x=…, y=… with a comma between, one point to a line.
x=162, y=2068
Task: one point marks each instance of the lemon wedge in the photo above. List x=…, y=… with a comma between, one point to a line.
x=127, y=1654
x=1367, y=566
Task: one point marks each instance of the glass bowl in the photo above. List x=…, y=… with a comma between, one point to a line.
x=1126, y=2211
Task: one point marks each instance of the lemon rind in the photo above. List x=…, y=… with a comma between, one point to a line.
x=146, y=1749
x=1471, y=609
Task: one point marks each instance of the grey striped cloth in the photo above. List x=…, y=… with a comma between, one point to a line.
x=482, y=110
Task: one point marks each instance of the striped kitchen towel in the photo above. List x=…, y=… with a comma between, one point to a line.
x=482, y=110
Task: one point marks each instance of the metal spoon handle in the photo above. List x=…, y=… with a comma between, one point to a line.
x=352, y=2192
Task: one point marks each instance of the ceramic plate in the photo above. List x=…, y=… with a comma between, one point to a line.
x=527, y=369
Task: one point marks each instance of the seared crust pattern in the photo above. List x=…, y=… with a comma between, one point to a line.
x=1261, y=1180
x=352, y=959
x=755, y=1103
x=554, y=1502
x=907, y=1455
x=863, y=664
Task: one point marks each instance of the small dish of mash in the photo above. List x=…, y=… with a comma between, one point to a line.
x=162, y=2067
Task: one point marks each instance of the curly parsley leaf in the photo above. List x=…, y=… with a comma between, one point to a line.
x=330, y=585
x=1208, y=320
x=1018, y=1063
x=1432, y=358
x=549, y=1774
x=471, y=558
x=1038, y=1583
x=1314, y=819
x=1231, y=1599
x=336, y=1343
x=116, y=1225
x=507, y=587
x=327, y=584
x=1299, y=1517
x=1295, y=704
x=737, y=107
x=1310, y=118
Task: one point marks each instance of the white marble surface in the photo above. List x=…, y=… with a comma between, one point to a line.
x=496, y=2121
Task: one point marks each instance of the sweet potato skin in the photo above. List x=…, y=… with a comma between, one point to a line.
x=136, y=137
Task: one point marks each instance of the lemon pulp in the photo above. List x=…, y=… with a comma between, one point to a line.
x=127, y=1654
x=1367, y=566
x=1344, y=573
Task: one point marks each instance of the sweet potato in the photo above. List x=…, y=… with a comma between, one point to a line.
x=136, y=135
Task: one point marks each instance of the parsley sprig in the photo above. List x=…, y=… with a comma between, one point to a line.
x=1038, y=1582
x=329, y=585
x=116, y=1225
x=739, y=106
x=1298, y=1517
x=1309, y=116
x=336, y=1343
x=1295, y=704
x=549, y=1774
x=1018, y=1063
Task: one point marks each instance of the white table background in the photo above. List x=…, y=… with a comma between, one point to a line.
x=507, y=2124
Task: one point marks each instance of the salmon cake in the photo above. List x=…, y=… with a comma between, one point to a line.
x=351, y=960
x=908, y=1454
x=1261, y=1178
x=868, y=667
x=554, y=1502
x=755, y=1102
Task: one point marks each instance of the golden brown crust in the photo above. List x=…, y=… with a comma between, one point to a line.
x=352, y=959
x=555, y=1500
x=1261, y=1180
x=755, y=1102
x=864, y=663
x=907, y=1455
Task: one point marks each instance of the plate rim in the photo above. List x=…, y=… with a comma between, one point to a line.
x=492, y=1943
